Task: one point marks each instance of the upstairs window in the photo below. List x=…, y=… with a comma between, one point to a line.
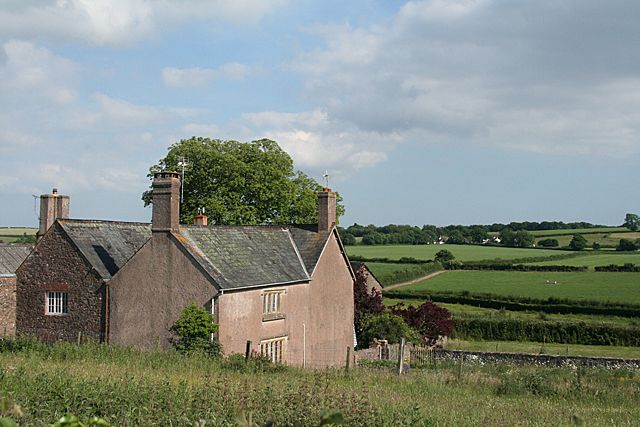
x=271, y=301
x=57, y=303
x=274, y=349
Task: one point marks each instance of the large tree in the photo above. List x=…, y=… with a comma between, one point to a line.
x=632, y=222
x=241, y=183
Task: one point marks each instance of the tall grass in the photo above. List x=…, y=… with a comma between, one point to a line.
x=128, y=387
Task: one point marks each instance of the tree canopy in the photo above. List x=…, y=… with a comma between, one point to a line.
x=241, y=183
x=632, y=222
x=578, y=242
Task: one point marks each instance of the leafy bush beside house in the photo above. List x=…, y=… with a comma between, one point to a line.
x=194, y=332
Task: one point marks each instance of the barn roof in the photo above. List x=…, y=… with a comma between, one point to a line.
x=107, y=245
x=11, y=256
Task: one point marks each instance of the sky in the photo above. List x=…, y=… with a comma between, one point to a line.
x=423, y=112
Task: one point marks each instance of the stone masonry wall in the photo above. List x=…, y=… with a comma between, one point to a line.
x=56, y=265
x=7, y=306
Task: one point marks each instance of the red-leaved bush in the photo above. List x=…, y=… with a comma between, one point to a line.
x=366, y=302
x=430, y=320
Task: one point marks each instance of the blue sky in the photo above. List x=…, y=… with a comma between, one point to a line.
x=424, y=112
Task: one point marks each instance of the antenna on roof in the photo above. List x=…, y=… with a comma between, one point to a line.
x=326, y=179
x=183, y=163
x=35, y=206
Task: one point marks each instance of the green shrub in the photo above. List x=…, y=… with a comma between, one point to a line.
x=549, y=243
x=626, y=245
x=193, y=330
x=388, y=327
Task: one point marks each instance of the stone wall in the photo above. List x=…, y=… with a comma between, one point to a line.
x=56, y=265
x=481, y=357
x=537, y=359
x=7, y=306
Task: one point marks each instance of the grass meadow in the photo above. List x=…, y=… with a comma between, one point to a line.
x=11, y=234
x=130, y=388
x=613, y=287
x=592, y=259
x=604, y=239
x=470, y=311
x=461, y=252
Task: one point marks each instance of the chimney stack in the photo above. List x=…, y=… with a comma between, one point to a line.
x=326, y=209
x=200, y=218
x=166, y=201
x=52, y=207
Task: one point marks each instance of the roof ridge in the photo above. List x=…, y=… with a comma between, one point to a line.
x=89, y=221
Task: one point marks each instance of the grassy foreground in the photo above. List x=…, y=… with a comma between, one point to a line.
x=128, y=388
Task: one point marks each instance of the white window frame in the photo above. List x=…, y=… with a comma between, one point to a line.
x=274, y=349
x=57, y=303
x=272, y=304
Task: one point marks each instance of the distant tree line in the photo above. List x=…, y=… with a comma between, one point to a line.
x=515, y=234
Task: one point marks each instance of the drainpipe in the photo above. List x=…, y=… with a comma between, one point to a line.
x=106, y=313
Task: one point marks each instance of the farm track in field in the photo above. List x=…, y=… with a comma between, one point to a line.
x=419, y=279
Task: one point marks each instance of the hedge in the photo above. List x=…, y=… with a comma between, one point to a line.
x=545, y=331
x=628, y=268
x=514, y=303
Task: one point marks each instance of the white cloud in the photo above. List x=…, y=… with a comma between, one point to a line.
x=28, y=69
x=315, y=142
x=119, y=111
x=541, y=77
x=190, y=77
x=74, y=142
x=117, y=22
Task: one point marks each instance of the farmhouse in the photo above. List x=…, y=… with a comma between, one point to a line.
x=288, y=290
x=11, y=256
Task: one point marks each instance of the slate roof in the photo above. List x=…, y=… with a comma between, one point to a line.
x=310, y=243
x=11, y=256
x=234, y=256
x=107, y=245
x=245, y=256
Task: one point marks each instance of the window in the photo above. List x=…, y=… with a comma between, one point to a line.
x=271, y=305
x=57, y=303
x=274, y=349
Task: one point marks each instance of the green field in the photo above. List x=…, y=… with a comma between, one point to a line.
x=614, y=287
x=469, y=311
x=11, y=234
x=461, y=252
x=591, y=259
x=604, y=239
x=129, y=388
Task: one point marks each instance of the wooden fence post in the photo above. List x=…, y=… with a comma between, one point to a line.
x=348, y=364
x=79, y=337
x=401, y=357
x=247, y=351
